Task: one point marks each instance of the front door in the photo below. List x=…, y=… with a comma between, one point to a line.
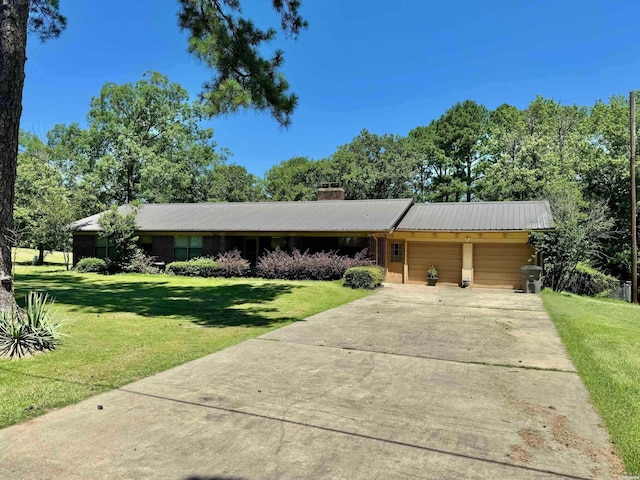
x=395, y=265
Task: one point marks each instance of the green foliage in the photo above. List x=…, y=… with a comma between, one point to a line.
x=91, y=265
x=141, y=263
x=232, y=183
x=580, y=231
x=43, y=213
x=31, y=331
x=292, y=180
x=586, y=280
x=196, y=267
x=230, y=44
x=368, y=277
x=119, y=227
x=45, y=18
x=144, y=141
x=432, y=272
x=226, y=265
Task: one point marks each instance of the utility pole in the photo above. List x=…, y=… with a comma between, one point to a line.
x=634, y=233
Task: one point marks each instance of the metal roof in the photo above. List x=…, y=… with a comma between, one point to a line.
x=315, y=216
x=478, y=216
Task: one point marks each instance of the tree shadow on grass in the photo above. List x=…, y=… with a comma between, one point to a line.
x=229, y=304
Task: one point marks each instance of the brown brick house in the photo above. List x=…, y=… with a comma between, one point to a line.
x=483, y=242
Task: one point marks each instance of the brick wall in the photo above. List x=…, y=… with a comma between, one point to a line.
x=83, y=246
x=331, y=193
x=208, y=246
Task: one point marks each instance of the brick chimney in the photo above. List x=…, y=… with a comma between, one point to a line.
x=330, y=191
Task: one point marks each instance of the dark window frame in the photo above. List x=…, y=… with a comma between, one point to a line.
x=397, y=252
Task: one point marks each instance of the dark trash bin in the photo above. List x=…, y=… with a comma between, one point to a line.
x=531, y=282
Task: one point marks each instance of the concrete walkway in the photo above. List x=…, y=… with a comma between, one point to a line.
x=412, y=382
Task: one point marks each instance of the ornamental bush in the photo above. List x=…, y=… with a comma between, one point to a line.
x=91, y=265
x=231, y=264
x=368, y=277
x=306, y=266
x=196, y=267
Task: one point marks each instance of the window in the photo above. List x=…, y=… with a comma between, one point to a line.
x=356, y=242
x=279, y=242
x=105, y=248
x=146, y=243
x=397, y=252
x=186, y=247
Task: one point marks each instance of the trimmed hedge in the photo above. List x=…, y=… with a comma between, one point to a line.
x=589, y=281
x=228, y=265
x=305, y=266
x=91, y=265
x=196, y=267
x=364, y=277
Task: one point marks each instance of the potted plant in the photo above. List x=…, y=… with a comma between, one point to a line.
x=432, y=276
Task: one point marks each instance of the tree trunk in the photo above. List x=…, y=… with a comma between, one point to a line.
x=41, y=255
x=14, y=15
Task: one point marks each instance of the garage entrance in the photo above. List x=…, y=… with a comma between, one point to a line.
x=498, y=265
x=447, y=258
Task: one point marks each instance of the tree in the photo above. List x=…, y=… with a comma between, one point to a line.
x=434, y=176
x=232, y=183
x=372, y=166
x=460, y=132
x=219, y=36
x=119, y=230
x=229, y=44
x=292, y=180
x=580, y=230
x=16, y=18
x=42, y=208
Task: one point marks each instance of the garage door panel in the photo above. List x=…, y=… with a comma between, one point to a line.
x=446, y=257
x=498, y=265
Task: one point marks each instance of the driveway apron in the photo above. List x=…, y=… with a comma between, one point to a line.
x=411, y=382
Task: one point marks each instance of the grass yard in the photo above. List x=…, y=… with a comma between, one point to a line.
x=603, y=340
x=125, y=327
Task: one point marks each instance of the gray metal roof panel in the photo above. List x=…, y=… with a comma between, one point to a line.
x=478, y=216
x=316, y=216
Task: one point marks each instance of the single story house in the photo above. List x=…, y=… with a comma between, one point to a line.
x=485, y=242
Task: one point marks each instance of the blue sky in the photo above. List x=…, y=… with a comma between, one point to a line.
x=384, y=66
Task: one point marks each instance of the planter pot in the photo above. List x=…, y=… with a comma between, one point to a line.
x=466, y=282
x=432, y=281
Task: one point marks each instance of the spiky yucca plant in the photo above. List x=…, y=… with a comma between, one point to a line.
x=33, y=330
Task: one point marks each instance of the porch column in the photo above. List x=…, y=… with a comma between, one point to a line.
x=467, y=261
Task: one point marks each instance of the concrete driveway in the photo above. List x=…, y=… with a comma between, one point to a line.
x=411, y=382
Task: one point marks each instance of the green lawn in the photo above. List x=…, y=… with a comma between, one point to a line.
x=603, y=340
x=125, y=327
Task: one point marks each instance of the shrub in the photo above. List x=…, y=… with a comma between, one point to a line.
x=306, y=266
x=368, y=277
x=231, y=264
x=141, y=263
x=91, y=265
x=34, y=330
x=196, y=267
x=589, y=281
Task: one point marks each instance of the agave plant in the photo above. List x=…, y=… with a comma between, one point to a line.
x=35, y=329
